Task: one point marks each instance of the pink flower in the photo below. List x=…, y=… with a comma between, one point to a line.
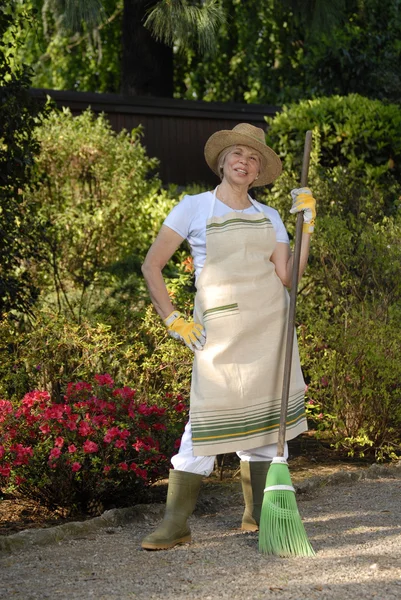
x=142, y=474
x=45, y=429
x=138, y=471
x=159, y=427
x=113, y=432
x=106, y=469
x=59, y=442
x=73, y=388
x=19, y=480
x=72, y=448
x=177, y=443
x=5, y=470
x=84, y=428
x=5, y=409
x=54, y=453
x=120, y=444
x=146, y=410
x=90, y=447
x=146, y=444
x=23, y=453
x=180, y=407
x=104, y=380
x=2, y=451
x=100, y=420
x=55, y=411
x=126, y=393
x=123, y=466
x=75, y=467
x=35, y=397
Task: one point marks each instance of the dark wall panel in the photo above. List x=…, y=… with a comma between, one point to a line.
x=175, y=131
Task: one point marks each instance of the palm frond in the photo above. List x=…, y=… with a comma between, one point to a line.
x=172, y=21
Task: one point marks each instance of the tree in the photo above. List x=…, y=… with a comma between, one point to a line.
x=147, y=64
x=278, y=52
x=141, y=62
x=273, y=52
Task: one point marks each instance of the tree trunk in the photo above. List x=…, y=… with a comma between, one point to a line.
x=147, y=65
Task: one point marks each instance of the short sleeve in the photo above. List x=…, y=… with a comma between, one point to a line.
x=281, y=232
x=179, y=218
x=279, y=227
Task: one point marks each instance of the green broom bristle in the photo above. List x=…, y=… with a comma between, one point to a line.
x=281, y=531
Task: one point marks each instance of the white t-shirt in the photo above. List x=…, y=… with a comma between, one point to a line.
x=188, y=219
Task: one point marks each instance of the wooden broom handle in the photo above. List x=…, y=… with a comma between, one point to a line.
x=293, y=303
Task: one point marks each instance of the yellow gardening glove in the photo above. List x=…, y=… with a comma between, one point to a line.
x=302, y=200
x=192, y=334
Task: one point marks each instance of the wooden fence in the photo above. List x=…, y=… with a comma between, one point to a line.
x=175, y=131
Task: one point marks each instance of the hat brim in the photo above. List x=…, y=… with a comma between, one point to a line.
x=225, y=138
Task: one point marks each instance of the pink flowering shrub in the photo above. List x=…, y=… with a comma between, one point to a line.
x=100, y=443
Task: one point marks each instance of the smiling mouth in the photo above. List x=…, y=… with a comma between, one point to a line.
x=241, y=171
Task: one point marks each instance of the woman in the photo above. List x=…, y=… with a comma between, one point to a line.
x=243, y=265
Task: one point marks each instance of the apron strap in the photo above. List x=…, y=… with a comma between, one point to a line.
x=253, y=202
x=210, y=215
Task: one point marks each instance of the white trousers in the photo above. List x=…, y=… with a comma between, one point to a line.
x=204, y=465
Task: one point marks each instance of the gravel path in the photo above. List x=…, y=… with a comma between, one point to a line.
x=352, y=520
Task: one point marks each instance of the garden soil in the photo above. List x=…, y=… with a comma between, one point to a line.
x=351, y=515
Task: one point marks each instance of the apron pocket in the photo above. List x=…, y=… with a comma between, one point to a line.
x=218, y=312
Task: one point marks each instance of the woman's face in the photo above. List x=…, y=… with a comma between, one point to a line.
x=242, y=165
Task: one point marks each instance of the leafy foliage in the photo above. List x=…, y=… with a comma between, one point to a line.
x=360, y=54
x=137, y=348
x=19, y=115
x=88, y=58
x=273, y=52
x=348, y=310
x=354, y=389
x=100, y=211
x=355, y=133
x=96, y=200
x=278, y=52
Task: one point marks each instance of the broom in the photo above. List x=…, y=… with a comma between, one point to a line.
x=281, y=531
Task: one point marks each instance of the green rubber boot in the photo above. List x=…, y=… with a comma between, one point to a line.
x=253, y=480
x=182, y=493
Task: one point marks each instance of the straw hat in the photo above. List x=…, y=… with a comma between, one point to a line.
x=246, y=135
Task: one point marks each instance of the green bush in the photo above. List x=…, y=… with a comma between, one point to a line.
x=55, y=350
x=354, y=390
x=100, y=207
x=349, y=298
x=101, y=210
x=19, y=226
x=355, y=133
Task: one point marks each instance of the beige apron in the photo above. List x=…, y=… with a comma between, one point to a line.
x=237, y=378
